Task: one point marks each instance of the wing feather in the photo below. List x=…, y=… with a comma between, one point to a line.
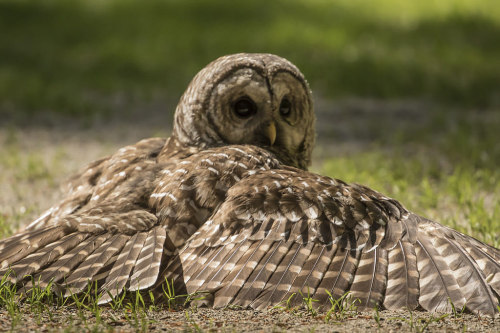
x=120, y=273
x=342, y=269
x=147, y=267
x=63, y=266
x=201, y=277
x=370, y=281
x=218, y=275
x=19, y=246
x=86, y=272
x=402, y=278
x=261, y=274
x=313, y=271
x=473, y=284
x=36, y=261
x=486, y=258
x=283, y=277
x=234, y=281
x=437, y=284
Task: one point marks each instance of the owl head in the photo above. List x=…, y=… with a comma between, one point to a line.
x=257, y=99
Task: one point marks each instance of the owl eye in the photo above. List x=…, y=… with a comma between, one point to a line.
x=285, y=107
x=244, y=107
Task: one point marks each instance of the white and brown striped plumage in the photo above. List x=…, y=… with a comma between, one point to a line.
x=226, y=206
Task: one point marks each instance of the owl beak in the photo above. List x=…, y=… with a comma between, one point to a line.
x=271, y=133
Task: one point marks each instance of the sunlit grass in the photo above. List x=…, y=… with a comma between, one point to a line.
x=447, y=172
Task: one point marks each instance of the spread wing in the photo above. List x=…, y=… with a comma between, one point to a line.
x=123, y=239
x=285, y=232
x=100, y=178
x=103, y=231
x=71, y=258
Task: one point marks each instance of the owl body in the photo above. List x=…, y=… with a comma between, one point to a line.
x=226, y=206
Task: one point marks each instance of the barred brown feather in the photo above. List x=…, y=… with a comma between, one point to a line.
x=19, y=246
x=148, y=262
x=370, y=281
x=86, y=272
x=402, y=278
x=120, y=273
x=36, y=261
x=438, y=285
x=283, y=276
x=63, y=266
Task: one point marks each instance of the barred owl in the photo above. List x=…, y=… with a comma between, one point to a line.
x=226, y=206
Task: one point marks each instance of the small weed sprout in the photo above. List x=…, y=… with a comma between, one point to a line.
x=420, y=325
x=286, y=305
x=175, y=301
x=377, y=317
x=169, y=293
x=454, y=311
x=308, y=302
x=9, y=298
x=341, y=307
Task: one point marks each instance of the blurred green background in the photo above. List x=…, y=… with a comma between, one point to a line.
x=408, y=92
x=76, y=57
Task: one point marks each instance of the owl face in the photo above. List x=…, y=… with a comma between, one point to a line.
x=255, y=99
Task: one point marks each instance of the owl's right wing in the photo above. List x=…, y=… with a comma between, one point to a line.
x=122, y=240
x=115, y=250
x=100, y=178
x=281, y=233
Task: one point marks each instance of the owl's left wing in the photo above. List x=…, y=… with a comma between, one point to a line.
x=286, y=232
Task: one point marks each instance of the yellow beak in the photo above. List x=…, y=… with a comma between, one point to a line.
x=271, y=133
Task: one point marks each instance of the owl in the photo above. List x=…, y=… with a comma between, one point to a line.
x=226, y=206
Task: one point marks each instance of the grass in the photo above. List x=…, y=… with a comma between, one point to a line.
x=341, y=308
x=43, y=303
x=92, y=57
x=420, y=325
x=446, y=170
x=86, y=59
x=136, y=312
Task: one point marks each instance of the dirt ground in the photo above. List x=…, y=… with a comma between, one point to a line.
x=231, y=320
x=35, y=160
